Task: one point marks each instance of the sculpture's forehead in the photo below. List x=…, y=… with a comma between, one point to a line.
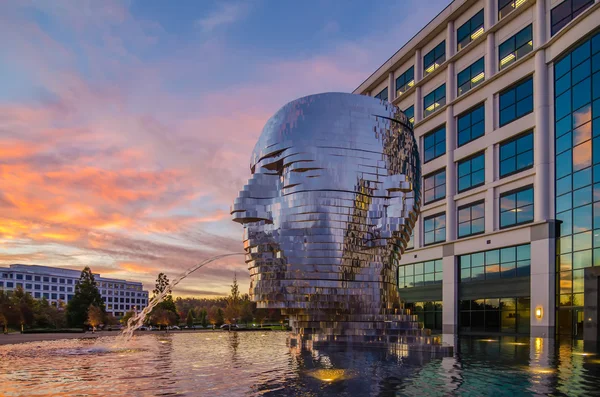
x=332, y=120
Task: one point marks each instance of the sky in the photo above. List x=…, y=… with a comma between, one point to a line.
x=126, y=127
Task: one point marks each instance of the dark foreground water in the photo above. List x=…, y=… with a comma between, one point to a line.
x=256, y=363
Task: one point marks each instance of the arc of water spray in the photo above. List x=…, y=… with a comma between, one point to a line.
x=136, y=322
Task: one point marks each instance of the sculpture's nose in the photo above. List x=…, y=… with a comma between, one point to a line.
x=252, y=201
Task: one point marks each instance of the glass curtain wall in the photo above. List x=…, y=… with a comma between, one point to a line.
x=577, y=150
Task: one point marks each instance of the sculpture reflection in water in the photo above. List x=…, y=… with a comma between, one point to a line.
x=329, y=209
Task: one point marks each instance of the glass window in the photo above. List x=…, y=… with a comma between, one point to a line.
x=405, y=81
x=434, y=186
x=471, y=219
x=515, y=47
x=435, y=228
x=516, y=207
x=471, y=124
x=434, y=58
x=410, y=113
x=37, y=278
x=434, y=100
x=505, y=262
x=469, y=31
x=46, y=279
x=420, y=274
x=10, y=284
x=565, y=12
x=28, y=277
x=434, y=144
x=505, y=7
x=516, y=101
x=471, y=172
x=19, y=277
x=471, y=77
x=383, y=95
x=516, y=154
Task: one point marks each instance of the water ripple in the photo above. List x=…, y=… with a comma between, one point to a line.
x=218, y=363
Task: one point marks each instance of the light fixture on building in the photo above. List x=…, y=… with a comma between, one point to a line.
x=519, y=2
x=431, y=68
x=477, y=33
x=507, y=59
x=478, y=77
x=539, y=312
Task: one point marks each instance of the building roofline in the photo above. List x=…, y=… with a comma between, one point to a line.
x=433, y=27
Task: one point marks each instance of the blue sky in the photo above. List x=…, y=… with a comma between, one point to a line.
x=126, y=126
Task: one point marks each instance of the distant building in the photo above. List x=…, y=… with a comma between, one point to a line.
x=505, y=100
x=55, y=284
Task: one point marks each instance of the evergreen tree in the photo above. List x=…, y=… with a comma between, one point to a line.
x=162, y=283
x=86, y=294
x=167, y=304
x=190, y=318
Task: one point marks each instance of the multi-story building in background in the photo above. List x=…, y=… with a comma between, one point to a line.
x=505, y=101
x=58, y=285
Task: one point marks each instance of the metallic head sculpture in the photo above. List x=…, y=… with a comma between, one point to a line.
x=329, y=209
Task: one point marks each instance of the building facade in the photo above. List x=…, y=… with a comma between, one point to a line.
x=505, y=100
x=58, y=285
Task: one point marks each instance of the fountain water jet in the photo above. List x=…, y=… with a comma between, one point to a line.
x=136, y=322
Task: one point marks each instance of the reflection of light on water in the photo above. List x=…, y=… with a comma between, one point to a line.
x=585, y=354
x=329, y=375
x=487, y=340
x=539, y=345
x=517, y=343
x=542, y=370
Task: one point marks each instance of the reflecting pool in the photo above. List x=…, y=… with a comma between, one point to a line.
x=259, y=363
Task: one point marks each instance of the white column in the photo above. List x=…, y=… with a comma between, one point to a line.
x=490, y=171
x=391, y=87
x=450, y=40
x=541, y=156
x=490, y=56
x=540, y=32
x=449, y=295
x=542, y=120
x=489, y=14
x=450, y=146
x=418, y=65
x=543, y=295
x=418, y=104
x=417, y=233
x=418, y=90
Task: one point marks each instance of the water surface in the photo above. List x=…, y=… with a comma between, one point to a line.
x=218, y=363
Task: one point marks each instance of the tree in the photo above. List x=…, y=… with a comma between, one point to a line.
x=162, y=283
x=203, y=318
x=4, y=323
x=23, y=304
x=164, y=317
x=190, y=318
x=86, y=294
x=246, y=314
x=126, y=317
x=260, y=315
x=232, y=311
x=215, y=316
x=167, y=304
x=95, y=317
x=112, y=320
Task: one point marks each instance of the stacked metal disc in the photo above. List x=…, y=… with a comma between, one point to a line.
x=329, y=209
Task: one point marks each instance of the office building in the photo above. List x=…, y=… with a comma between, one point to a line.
x=58, y=285
x=505, y=101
